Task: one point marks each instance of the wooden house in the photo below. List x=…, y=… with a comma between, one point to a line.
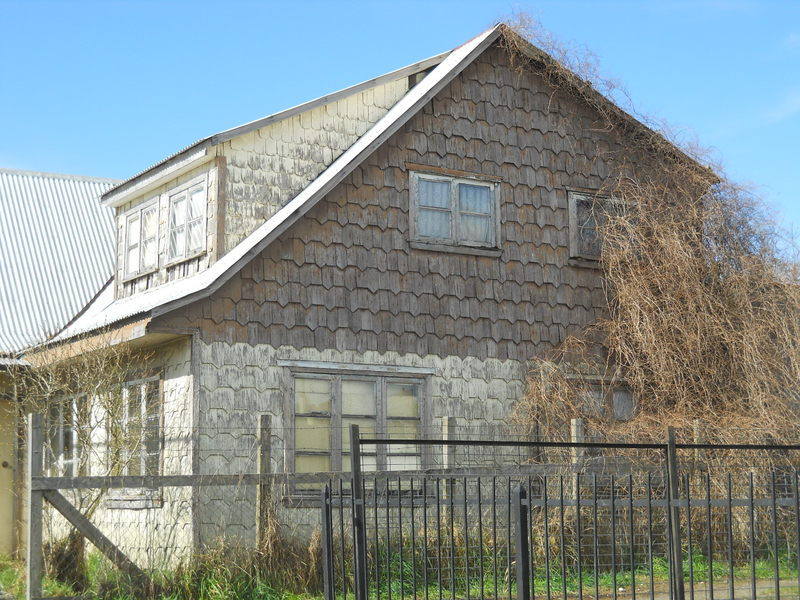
x=391, y=255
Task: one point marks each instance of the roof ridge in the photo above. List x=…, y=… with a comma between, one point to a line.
x=11, y=171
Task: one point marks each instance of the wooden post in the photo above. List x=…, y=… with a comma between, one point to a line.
x=264, y=489
x=359, y=516
x=673, y=496
x=577, y=430
x=35, y=562
x=328, y=589
x=448, y=452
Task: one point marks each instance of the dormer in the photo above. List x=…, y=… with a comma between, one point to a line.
x=166, y=230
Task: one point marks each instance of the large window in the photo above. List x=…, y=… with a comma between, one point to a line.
x=187, y=222
x=326, y=405
x=66, y=426
x=141, y=240
x=453, y=211
x=587, y=214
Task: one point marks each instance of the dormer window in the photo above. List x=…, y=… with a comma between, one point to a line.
x=141, y=240
x=454, y=211
x=187, y=222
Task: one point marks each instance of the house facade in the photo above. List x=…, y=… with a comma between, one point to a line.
x=391, y=255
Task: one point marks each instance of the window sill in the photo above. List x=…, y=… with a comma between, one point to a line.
x=584, y=263
x=453, y=249
x=135, y=276
x=176, y=261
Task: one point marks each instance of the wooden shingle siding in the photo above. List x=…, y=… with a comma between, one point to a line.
x=345, y=276
x=268, y=167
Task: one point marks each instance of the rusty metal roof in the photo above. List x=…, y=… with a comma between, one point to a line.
x=56, y=252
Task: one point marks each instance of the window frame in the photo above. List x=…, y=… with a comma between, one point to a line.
x=126, y=419
x=454, y=240
x=57, y=430
x=573, y=197
x=138, y=213
x=337, y=453
x=186, y=253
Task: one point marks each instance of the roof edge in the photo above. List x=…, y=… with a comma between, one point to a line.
x=89, y=178
x=228, y=134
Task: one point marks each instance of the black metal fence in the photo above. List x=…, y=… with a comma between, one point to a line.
x=615, y=520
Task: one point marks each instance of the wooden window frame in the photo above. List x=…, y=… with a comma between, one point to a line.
x=57, y=430
x=186, y=253
x=573, y=197
x=138, y=213
x=453, y=242
x=337, y=454
x=138, y=498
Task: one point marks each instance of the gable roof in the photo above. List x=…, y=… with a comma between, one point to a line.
x=56, y=252
x=170, y=296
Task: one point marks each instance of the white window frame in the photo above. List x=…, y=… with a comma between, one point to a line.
x=186, y=253
x=574, y=196
x=337, y=434
x=138, y=213
x=62, y=434
x=454, y=239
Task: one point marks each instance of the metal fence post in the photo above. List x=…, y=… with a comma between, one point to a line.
x=359, y=516
x=523, y=543
x=327, y=544
x=673, y=495
x=35, y=562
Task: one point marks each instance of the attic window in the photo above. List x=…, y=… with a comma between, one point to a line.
x=141, y=240
x=187, y=222
x=453, y=211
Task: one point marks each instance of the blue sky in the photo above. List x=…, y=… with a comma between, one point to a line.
x=108, y=88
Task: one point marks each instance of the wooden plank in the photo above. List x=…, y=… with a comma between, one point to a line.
x=35, y=562
x=264, y=493
x=96, y=537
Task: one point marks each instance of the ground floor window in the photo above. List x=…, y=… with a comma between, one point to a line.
x=325, y=405
x=66, y=428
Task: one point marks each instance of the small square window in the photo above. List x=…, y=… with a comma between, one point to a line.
x=587, y=214
x=453, y=211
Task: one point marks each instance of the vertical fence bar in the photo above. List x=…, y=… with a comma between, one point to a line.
x=689, y=534
x=650, y=533
x=341, y=539
x=546, y=539
x=578, y=532
x=359, y=513
x=494, y=534
x=710, y=539
x=752, y=511
x=775, y=539
x=561, y=538
x=675, y=516
x=523, y=543
x=729, y=532
x=632, y=538
x=327, y=545
x=35, y=563
x=613, y=538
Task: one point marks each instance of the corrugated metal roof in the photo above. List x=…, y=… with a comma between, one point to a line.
x=56, y=252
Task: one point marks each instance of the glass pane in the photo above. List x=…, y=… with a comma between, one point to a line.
x=585, y=214
x=132, y=260
x=476, y=229
x=149, y=254
x=623, y=404
x=369, y=462
x=197, y=203
x=358, y=397
x=475, y=198
x=366, y=427
x=149, y=223
x=593, y=401
x=312, y=396
x=196, y=237
x=133, y=230
x=433, y=223
x=434, y=193
x=312, y=464
x=397, y=429
x=312, y=433
x=402, y=400
x=177, y=210
x=177, y=242
x=403, y=463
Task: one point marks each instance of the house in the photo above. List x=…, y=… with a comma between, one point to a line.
x=56, y=254
x=390, y=255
